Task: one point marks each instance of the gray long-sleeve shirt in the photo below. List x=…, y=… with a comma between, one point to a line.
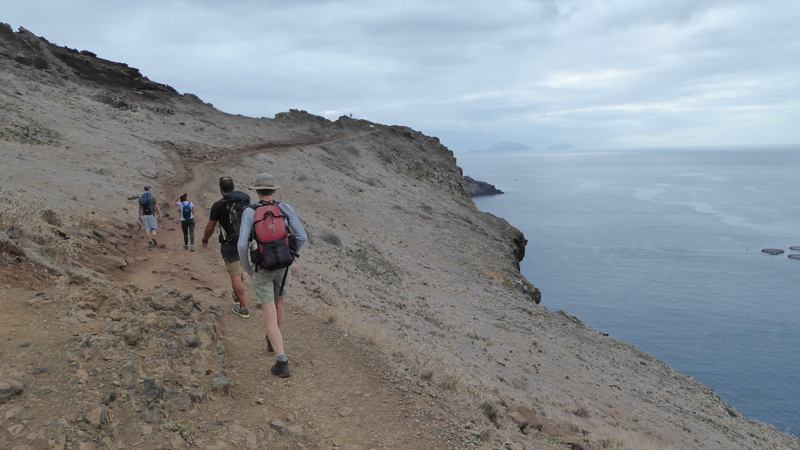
x=295, y=226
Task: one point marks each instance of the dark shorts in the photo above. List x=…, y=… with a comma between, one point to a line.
x=230, y=253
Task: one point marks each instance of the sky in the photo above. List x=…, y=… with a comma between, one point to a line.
x=587, y=74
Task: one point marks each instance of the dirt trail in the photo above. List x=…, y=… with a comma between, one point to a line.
x=342, y=392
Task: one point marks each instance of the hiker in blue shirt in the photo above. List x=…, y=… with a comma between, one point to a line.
x=186, y=213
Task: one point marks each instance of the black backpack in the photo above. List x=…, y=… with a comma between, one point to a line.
x=235, y=209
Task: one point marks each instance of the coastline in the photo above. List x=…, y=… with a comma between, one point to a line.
x=688, y=328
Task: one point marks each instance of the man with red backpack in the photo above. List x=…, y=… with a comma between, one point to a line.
x=270, y=235
x=227, y=212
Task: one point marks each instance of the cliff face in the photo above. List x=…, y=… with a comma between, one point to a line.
x=398, y=254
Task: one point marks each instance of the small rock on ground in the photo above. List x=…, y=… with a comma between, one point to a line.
x=10, y=388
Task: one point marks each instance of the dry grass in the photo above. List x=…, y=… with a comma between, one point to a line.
x=424, y=361
x=26, y=215
x=499, y=278
x=607, y=436
x=374, y=336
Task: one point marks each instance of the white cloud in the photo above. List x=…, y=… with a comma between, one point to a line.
x=587, y=79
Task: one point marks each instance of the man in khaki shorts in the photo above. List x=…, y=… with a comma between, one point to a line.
x=227, y=213
x=270, y=284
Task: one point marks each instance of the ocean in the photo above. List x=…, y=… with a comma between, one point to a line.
x=662, y=249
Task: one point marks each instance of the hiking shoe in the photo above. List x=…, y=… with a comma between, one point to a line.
x=235, y=298
x=281, y=369
x=241, y=312
x=269, y=346
x=191, y=247
x=155, y=243
x=185, y=247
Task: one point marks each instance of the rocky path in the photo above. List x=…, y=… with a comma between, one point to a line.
x=342, y=392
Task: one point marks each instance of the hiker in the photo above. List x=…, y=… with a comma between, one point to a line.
x=186, y=213
x=227, y=212
x=149, y=213
x=272, y=234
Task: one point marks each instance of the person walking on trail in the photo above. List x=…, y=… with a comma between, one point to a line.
x=186, y=213
x=149, y=213
x=273, y=235
x=227, y=212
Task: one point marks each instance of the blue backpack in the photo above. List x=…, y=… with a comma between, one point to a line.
x=186, y=210
x=146, y=201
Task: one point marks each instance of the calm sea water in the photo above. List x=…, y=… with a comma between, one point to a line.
x=661, y=249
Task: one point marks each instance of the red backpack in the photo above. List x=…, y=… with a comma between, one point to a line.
x=271, y=234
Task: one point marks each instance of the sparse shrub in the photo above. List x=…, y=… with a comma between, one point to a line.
x=612, y=443
x=332, y=316
x=581, y=412
x=450, y=381
x=183, y=428
x=22, y=213
x=489, y=409
x=51, y=217
x=331, y=238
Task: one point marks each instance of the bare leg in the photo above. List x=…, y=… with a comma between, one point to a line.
x=273, y=330
x=279, y=310
x=237, y=283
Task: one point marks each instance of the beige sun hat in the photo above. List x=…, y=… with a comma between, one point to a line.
x=265, y=181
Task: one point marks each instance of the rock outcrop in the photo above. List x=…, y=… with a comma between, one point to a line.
x=478, y=188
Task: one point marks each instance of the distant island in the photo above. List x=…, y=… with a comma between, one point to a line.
x=509, y=146
x=519, y=147
x=565, y=147
x=477, y=188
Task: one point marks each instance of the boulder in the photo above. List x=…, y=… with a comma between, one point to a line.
x=10, y=388
x=98, y=417
x=112, y=261
x=221, y=384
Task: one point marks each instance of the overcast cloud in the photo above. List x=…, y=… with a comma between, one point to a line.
x=593, y=73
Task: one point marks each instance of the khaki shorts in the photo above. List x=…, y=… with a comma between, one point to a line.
x=233, y=268
x=268, y=285
x=149, y=223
